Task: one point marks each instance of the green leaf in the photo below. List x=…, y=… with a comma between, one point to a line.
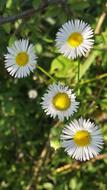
x=79, y=5
x=7, y=27
x=54, y=143
x=73, y=183
x=12, y=40
x=85, y=66
x=48, y=186
x=38, y=48
x=8, y=3
x=55, y=137
x=2, y=4
x=62, y=67
x=36, y=3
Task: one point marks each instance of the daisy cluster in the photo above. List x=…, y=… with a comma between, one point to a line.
x=74, y=39
x=81, y=138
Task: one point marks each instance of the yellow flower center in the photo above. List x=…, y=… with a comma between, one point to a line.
x=75, y=39
x=61, y=101
x=22, y=58
x=82, y=138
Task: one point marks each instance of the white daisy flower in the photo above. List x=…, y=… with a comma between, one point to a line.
x=82, y=139
x=74, y=39
x=59, y=101
x=20, y=59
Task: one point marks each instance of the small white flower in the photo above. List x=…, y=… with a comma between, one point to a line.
x=32, y=94
x=82, y=139
x=59, y=101
x=74, y=39
x=20, y=59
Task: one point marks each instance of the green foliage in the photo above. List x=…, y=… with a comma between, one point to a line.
x=24, y=128
x=62, y=67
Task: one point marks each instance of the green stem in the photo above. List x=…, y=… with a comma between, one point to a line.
x=104, y=75
x=78, y=77
x=78, y=72
x=45, y=72
x=94, y=79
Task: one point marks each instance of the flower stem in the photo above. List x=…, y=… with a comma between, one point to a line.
x=78, y=77
x=104, y=75
x=78, y=72
x=45, y=72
